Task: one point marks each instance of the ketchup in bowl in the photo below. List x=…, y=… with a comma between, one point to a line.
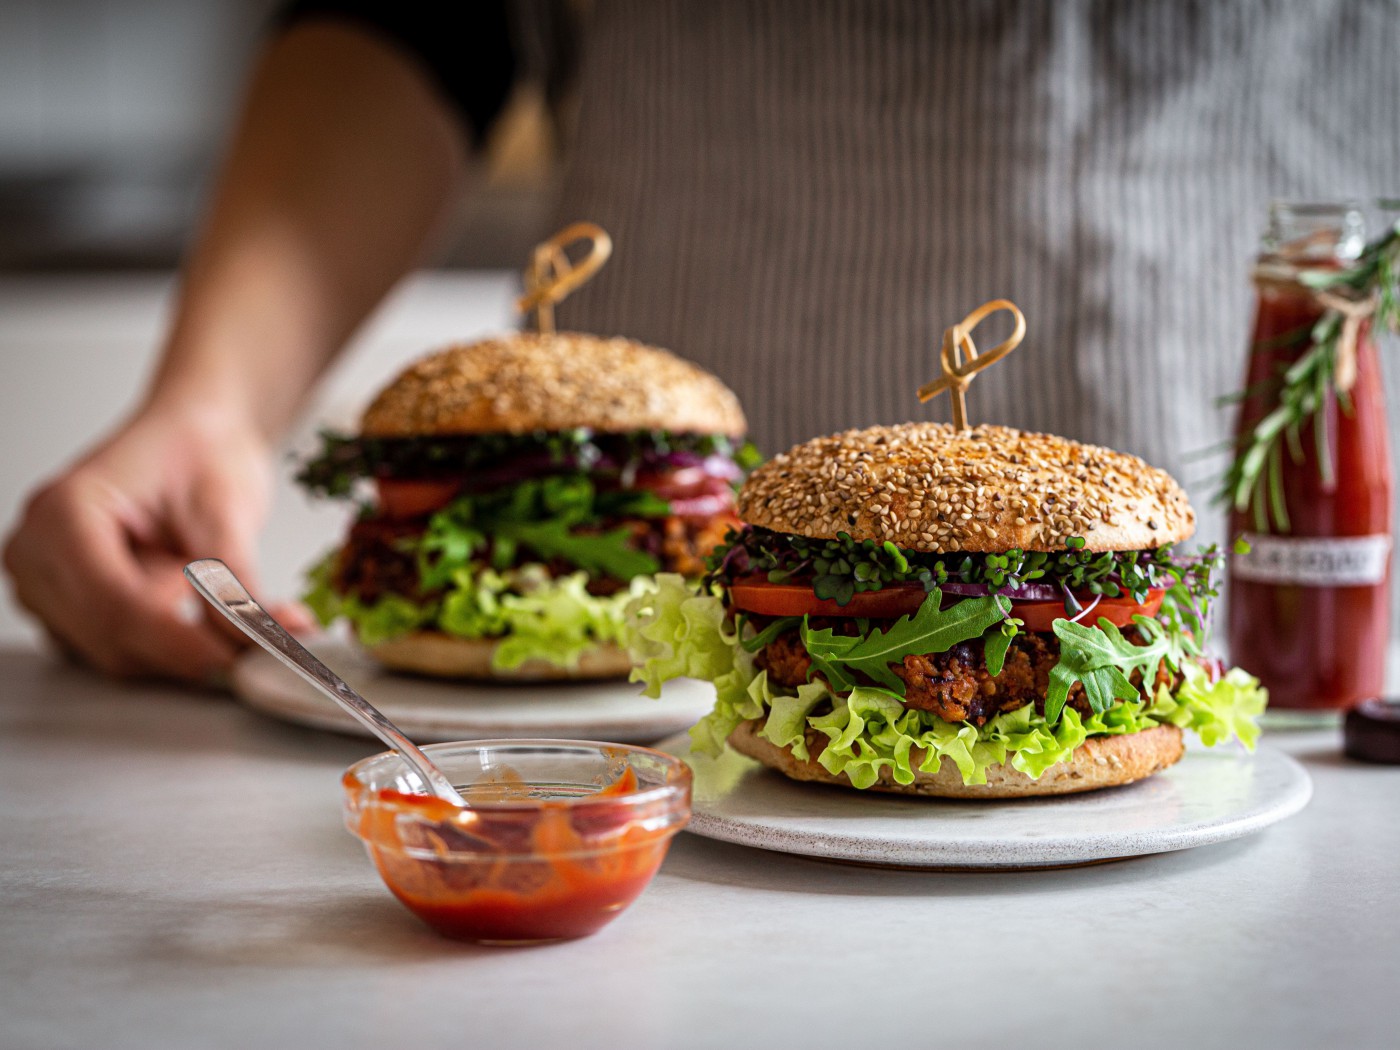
x=560, y=836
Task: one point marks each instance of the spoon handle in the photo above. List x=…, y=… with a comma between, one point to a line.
x=220, y=587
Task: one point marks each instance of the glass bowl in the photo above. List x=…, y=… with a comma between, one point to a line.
x=561, y=835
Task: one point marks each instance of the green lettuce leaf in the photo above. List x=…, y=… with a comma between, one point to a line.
x=388, y=618
x=1216, y=711
x=556, y=620
x=535, y=616
x=674, y=632
x=930, y=630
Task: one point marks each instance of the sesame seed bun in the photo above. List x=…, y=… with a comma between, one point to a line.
x=441, y=655
x=527, y=381
x=930, y=487
x=1101, y=761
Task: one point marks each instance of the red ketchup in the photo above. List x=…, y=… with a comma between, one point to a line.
x=538, y=871
x=1309, y=603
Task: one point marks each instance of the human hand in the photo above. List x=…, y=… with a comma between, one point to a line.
x=98, y=551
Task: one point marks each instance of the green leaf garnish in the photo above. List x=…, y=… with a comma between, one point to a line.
x=1299, y=395
x=344, y=459
x=995, y=645
x=553, y=517
x=674, y=632
x=930, y=630
x=1102, y=660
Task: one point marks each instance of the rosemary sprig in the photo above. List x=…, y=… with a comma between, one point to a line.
x=1253, y=482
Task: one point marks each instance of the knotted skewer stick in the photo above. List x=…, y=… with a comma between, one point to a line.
x=961, y=361
x=551, y=275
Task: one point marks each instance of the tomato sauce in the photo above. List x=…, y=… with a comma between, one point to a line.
x=1309, y=606
x=519, y=869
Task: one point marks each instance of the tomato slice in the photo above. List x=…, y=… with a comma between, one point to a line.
x=1041, y=616
x=400, y=499
x=670, y=484
x=703, y=506
x=683, y=484
x=757, y=595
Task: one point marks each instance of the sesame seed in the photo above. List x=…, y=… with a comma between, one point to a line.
x=925, y=486
x=527, y=381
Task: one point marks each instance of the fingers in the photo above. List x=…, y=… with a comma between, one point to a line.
x=294, y=616
x=213, y=520
x=74, y=567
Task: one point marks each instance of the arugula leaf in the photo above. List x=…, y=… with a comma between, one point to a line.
x=995, y=645
x=608, y=552
x=930, y=630
x=673, y=632
x=768, y=634
x=545, y=517
x=1102, y=660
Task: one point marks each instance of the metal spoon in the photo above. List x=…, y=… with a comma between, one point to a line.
x=220, y=587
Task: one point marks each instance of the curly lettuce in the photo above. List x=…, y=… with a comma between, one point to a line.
x=674, y=632
x=534, y=616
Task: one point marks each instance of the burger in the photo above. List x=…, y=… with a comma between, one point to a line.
x=514, y=492
x=979, y=613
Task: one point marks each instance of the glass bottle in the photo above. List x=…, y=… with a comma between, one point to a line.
x=1309, y=609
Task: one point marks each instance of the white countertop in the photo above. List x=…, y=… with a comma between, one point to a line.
x=175, y=874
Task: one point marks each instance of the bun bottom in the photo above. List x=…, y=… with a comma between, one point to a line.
x=1104, y=761
x=443, y=656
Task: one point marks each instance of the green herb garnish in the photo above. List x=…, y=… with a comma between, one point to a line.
x=1300, y=393
x=930, y=630
x=840, y=568
x=1102, y=660
x=556, y=517
x=343, y=460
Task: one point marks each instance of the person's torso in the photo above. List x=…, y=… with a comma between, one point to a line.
x=804, y=195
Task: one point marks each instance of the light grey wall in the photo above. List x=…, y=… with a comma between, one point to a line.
x=111, y=113
x=139, y=84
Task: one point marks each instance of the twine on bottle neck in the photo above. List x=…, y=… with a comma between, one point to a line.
x=552, y=275
x=961, y=362
x=1354, y=313
x=1279, y=273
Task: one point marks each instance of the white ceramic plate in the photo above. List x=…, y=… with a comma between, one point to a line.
x=431, y=710
x=1206, y=797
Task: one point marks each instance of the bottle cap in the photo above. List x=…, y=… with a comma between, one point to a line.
x=1372, y=731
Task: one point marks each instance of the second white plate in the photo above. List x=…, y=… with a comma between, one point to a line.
x=433, y=710
x=1207, y=797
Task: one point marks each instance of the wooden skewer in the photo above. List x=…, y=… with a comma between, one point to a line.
x=961, y=361
x=551, y=276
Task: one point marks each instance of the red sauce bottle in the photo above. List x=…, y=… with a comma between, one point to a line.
x=1309, y=609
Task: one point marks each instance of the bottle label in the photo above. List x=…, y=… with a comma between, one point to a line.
x=1313, y=561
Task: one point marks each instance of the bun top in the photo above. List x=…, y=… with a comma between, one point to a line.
x=531, y=381
x=929, y=487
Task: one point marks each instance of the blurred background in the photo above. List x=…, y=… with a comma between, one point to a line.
x=112, y=113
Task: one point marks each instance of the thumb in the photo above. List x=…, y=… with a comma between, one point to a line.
x=217, y=522
x=214, y=525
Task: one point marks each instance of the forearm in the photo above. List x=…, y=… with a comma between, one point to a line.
x=342, y=165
